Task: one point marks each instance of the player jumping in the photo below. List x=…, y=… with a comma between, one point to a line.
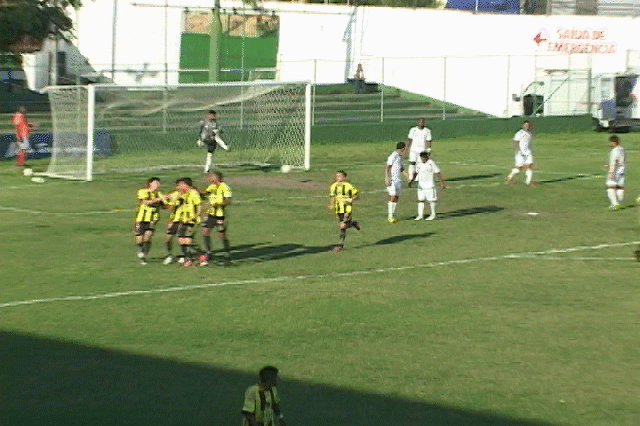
x=210, y=136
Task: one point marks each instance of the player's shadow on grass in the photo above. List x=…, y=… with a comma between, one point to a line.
x=473, y=177
x=54, y=383
x=400, y=238
x=469, y=211
x=562, y=179
x=263, y=253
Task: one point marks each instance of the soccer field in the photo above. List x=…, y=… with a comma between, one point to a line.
x=516, y=306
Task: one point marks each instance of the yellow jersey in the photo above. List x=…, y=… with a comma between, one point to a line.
x=216, y=194
x=147, y=212
x=341, y=192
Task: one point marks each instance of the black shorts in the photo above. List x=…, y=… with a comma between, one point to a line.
x=172, y=228
x=343, y=217
x=185, y=230
x=141, y=227
x=211, y=146
x=216, y=223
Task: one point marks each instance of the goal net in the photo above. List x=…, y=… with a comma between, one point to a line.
x=110, y=128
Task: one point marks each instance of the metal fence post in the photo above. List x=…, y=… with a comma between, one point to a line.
x=382, y=91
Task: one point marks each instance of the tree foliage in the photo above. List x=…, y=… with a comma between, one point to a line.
x=29, y=22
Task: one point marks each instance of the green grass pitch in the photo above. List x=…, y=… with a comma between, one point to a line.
x=517, y=306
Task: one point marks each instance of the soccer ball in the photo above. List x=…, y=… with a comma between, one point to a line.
x=27, y=172
x=286, y=168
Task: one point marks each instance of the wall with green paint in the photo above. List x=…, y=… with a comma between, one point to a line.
x=259, y=52
x=442, y=129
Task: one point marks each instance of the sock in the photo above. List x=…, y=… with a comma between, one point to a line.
x=169, y=246
x=420, y=209
x=208, y=162
x=225, y=244
x=611, y=193
x=514, y=172
x=391, y=208
x=146, y=247
x=343, y=235
x=185, y=251
x=433, y=208
x=529, y=174
x=141, y=247
x=620, y=195
x=207, y=242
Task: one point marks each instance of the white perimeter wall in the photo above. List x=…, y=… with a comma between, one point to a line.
x=488, y=57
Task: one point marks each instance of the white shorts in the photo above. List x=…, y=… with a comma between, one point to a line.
x=523, y=159
x=23, y=143
x=429, y=195
x=395, y=189
x=617, y=180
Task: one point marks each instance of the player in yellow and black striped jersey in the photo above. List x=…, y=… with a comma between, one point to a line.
x=149, y=201
x=219, y=196
x=171, y=202
x=188, y=216
x=341, y=196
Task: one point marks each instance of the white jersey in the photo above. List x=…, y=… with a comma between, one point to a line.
x=616, y=161
x=419, y=138
x=395, y=161
x=523, y=138
x=426, y=174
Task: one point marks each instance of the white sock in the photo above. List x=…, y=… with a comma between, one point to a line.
x=514, y=172
x=391, y=208
x=620, y=195
x=420, y=208
x=529, y=174
x=433, y=208
x=613, y=199
x=207, y=164
x=412, y=170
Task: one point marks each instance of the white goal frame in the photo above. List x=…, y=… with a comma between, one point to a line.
x=90, y=107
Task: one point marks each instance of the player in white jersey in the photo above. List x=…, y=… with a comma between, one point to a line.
x=615, y=173
x=419, y=141
x=426, y=173
x=523, y=154
x=209, y=136
x=392, y=172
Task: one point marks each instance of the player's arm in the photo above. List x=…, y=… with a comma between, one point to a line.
x=413, y=178
x=387, y=170
x=443, y=183
x=200, y=142
x=278, y=413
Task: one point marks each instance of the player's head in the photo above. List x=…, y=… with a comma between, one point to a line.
x=526, y=125
x=424, y=156
x=268, y=376
x=215, y=176
x=153, y=183
x=400, y=146
x=614, y=140
x=341, y=175
x=184, y=184
x=211, y=114
x=420, y=123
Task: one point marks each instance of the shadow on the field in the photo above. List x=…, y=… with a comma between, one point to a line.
x=564, y=179
x=54, y=383
x=473, y=177
x=469, y=211
x=263, y=253
x=400, y=238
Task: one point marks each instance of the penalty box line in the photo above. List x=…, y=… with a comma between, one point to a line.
x=525, y=255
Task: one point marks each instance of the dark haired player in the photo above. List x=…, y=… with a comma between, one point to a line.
x=209, y=136
x=187, y=216
x=219, y=197
x=615, y=173
x=261, y=401
x=341, y=197
x=172, y=202
x=149, y=200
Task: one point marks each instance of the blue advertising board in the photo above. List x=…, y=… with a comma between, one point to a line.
x=41, y=145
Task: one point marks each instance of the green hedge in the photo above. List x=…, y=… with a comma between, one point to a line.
x=443, y=129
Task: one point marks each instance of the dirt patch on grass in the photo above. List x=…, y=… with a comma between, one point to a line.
x=277, y=182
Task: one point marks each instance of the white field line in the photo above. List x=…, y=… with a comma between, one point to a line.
x=255, y=200
x=526, y=255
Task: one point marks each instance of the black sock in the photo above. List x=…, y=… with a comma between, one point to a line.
x=185, y=250
x=343, y=235
x=207, y=242
x=141, y=247
x=225, y=244
x=169, y=246
x=146, y=247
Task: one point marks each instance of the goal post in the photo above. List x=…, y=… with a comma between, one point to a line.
x=109, y=128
